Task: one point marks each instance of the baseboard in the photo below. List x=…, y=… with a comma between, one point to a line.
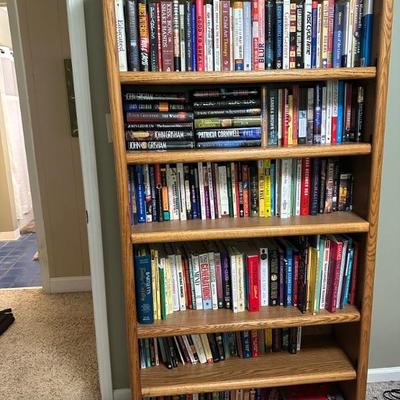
x=122, y=394
x=10, y=235
x=383, y=374
x=70, y=284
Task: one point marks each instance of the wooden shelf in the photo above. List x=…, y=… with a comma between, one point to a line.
x=321, y=363
x=258, y=153
x=193, y=321
x=235, y=228
x=227, y=77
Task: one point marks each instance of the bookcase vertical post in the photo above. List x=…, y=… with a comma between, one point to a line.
x=384, y=45
x=114, y=86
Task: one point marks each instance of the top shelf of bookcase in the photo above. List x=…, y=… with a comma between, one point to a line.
x=232, y=77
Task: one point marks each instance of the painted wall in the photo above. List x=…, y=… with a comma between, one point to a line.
x=5, y=35
x=385, y=350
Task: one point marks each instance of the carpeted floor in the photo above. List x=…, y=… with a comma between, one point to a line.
x=375, y=390
x=49, y=352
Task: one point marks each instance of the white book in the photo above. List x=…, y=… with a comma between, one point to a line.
x=163, y=282
x=325, y=26
x=182, y=191
x=213, y=280
x=187, y=191
x=199, y=349
x=223, y=191
x=298, y=187
x=147, y=191
x=217, y=34
x=195, y=396
x=342, y=271
x=189, y=349
x=231, y=38
x=329, y=100
x=307, y=33
x=302, y=136
x=264, y=274
x=299, y=332
x=182, y=36
x=335, y=103
x=319, y=37
x=234, y=280
x=181, y=359
x=173, y=200
x=210, y=190
x=217, y=192
x=278, y=183
x=201, y=190
x=350, y=35
x=175, y=285
x=165, y=262
x=238, y=50
x=121, y=38
x=247, y=42
x=209, y=46
x=323, y=116
x=286, y=35
x=233, y=185
x=280, y=119
x=181, y=283
x=286, y=188
x=197, y=282
x=324, y=275
x=241, y=297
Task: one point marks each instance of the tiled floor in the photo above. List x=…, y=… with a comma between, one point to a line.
x=16, y=266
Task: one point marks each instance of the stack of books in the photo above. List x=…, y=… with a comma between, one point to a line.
x=224, y=35
x=158, y=121
x=324, y=113
x=320, y=391
x=311, y=273
x=267, y=188
x=227, y=118
x=215, y=347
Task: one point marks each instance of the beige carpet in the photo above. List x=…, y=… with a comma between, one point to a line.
x=49, y=352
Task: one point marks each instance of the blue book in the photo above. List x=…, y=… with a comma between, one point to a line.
x=131, y=188
x=279, y=34
x=154, y=211
x=317, y=114
x=340, y=118
x=194, y=38
x=140, y=194
x=338, y=36
x=347, y=277
x=144, y=295
x=288, y=272
x=228, y=144
x=366, y=33
x=226, y=134
x=188, y=35
x=314, y=37
x=193, y=197
x=246, y=343
x=269, y=34
x=273, y=180
x=247, y=27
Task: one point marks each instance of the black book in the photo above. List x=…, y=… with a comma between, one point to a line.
x=293, y=332
x=285, y=339
x=132, y=145
x=269, y=34
x=302, y=279
x=229, y=112
x=317, y=114
x=183, y=349
x=152, y=352
x=171, y=351
x=253, y=190
x=246, y=343
x=157, y=135
x=359, y=114
x=276, y=340
x=220, y=345
x=132, y=35
x=302, y=139
x=188, y=34
x=160, y=126
x=158, y=183
x=153, y=37
x=213, y=346
x=314, y=190
x=273, y=257
x=154, y=209
x=233, y=103
x=336, y=179
x=166, y=359
x=299, y=34
x=322, y=186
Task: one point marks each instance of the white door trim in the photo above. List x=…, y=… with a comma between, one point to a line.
x=29, y=141
x=77, y=36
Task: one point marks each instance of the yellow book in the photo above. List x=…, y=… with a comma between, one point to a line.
x=268, y=339
x=206, y=347
x=267, y=188
x=168, y=286
x=261, y=194
x=154, y=282
x=290, y=120
x=312, y=282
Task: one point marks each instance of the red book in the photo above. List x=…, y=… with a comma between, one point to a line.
x=334, y=274
x=167, y=44
x=226, y=35
x=205, y=281
x=295, y=122
x=159, y=43
x=296, y=261
x=331, y=20
x=254, y=343
x=218, y=278
x=347, y=119
x=186, y=282
x=239, y=345
x=255, y=24
x=144, y=35
x=200, y=34
x=353, y=284
x=245, y=179
x=305, y=186
x=236, y=180
x=285, y=113
x=253, y=278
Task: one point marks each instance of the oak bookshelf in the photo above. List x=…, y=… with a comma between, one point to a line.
x=342, y=358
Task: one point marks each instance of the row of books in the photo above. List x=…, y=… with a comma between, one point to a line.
x=224, y=35
x=211, y=348
x=321, y=391
x=266, y=188
x=311, y=273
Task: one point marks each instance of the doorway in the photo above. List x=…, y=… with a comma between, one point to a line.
x=19, y=256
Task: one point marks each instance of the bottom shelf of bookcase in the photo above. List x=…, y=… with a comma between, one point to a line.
x=325, y=362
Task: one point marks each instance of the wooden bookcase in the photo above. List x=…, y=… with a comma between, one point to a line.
x=343, y=359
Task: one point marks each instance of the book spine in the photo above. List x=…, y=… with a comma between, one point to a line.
x=147, y=192
x=286, y=186
x=320, y=36
x=247, y=29
x=261, y=35
x=299, y=35
x=216, y=8
x=279, y=34
x=226, y=281
x=153, y=54
x=200, y=35
x=317, y=114
x=144, y=294
x=254, y=33
x=132, y=35
x=305, y=186
x=140, y=194
x=121, y=38
x=213, y=281
x=182, y=35
x=338, y=36
x=264, y=277
x=144, y=35
x=310, y=115
x=167, y=36
x=208, y=36
x=188, y=35
x=286, y=35
x=269, y=34
x=274, y=279
x=226, y=35
x=307, y=33
x=205, y=281
x=193, y=26
x=314, y=11
x=253, y=289
x=153, y=191
x=292, y=35
x=175, y=38
x=237, y=16
x=366, y=33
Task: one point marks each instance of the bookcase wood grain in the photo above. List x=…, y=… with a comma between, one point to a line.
x=345, y=359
